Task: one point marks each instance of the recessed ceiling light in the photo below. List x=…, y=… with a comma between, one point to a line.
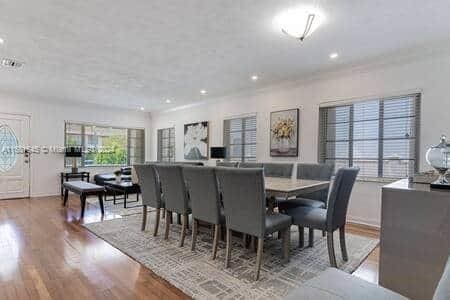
x=203, y=92
x=2, y=41
x=334, y=55
x=254, y=77
x=141, y=108
x=168, y=101
x=299, y=22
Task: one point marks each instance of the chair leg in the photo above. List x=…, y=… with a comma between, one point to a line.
x=166, y=233
x=259, y=253
x=144, y=217
x=244, y=240
x=228, y=249
x=343, y=246
x=179, y=219
x=183, y=229
x=331, y=254
x=311, y=237
x=286, y=244
x=163, y=213
x=216, y=240
x=194, y=233
x=324, y=233
x=158, y=216
x=253, y=243
x=301, y=236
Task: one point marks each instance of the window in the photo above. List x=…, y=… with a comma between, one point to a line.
x=166, y=144
x=379, y=136
x=239, y=136
x=106, y=146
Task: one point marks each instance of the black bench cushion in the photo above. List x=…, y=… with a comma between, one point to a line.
x=80, y=187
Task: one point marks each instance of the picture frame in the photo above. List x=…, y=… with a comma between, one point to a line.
x=284, y=130
x=196, y=141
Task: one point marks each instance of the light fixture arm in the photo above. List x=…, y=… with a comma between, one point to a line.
x=309, y=23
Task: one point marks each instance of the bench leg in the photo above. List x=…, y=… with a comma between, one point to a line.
x=66, y=196
x=100, y=200
x=83, y=205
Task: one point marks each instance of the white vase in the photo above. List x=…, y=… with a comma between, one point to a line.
x=283, y=145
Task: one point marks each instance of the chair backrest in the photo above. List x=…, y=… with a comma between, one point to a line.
x=278, y=170
x=340, y=196
x=316, y=172
x=149, y=184
x=173, y=188
x=252, y=165
x=243, y=199
x=443, y=289
x=228, y=164
x=203, y=192
x=189, y=163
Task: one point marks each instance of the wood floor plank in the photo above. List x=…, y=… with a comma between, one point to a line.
x=45, y=253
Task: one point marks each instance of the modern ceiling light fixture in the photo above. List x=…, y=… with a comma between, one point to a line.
x=168, y=101
x=2, y=41
x=334, y=55
x=203, y=92
x=254, y=77
x=11, y=63
x=299, y=22
x=141, y=108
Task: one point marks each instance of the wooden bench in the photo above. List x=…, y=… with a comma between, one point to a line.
x=84, y=189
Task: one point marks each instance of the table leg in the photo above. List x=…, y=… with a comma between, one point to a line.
x=83, y=205
x=62, y=188
x=100, y=200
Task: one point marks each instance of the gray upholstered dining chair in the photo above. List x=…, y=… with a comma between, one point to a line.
x=244, y=202
x=151, y=192
x=282, y=170
x=175, y=196
x=246, y=165
x=205, y=200
x=228, y=164
x=330, y=219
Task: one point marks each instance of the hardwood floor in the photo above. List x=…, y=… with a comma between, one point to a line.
x=46, y=254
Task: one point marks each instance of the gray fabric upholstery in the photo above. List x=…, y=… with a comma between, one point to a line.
x=82, y=187
x=335, y=284
x=335, y=215
x=189, y=163
x=316, y=172
x=278, y=170
x=246, y=165
x=244, y=202
x=292, y=203
x=228, y=164
x=340, y=196
x=173, y=188
x=443, y=289
x=203, y=193
x=150, y=185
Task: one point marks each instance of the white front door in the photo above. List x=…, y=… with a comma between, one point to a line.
x=14, y=163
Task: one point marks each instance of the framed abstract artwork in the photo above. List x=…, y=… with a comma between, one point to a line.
x=196, y=141
x=284, y=133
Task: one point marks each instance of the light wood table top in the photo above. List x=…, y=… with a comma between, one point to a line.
x=287, y=187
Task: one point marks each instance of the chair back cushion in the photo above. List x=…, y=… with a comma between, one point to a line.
x=340, y=196
x=203, y=193
x=253, y=165
x=173, y=188
x=228, y=164
x=149, y=183
x=316, y=172
x=243, y=199
x=443, y=289
x=278, y=170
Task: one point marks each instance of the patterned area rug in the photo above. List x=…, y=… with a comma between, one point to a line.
x=202, y=278
x=132, y=208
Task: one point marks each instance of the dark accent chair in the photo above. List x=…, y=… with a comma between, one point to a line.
x=330, y=219
x=244, y=202
x=175, y=196
x=151, y=192
x=278, y=170
x=316, y=199
x=205, y=200
x=246, y=165
x=228, y=164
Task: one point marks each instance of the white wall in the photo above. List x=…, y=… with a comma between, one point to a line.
x=427, y=74
x=47, y=129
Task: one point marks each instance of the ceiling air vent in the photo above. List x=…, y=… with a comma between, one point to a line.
x=11, y=63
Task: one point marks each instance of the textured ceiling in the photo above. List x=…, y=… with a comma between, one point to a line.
x=140, y=52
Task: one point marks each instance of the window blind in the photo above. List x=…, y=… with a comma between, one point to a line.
x=380, y=136
x=166, y=145
x=239, y=136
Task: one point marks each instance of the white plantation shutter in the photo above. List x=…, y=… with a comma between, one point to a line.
x=239, y=136
x=166, y=145
x=379, y=136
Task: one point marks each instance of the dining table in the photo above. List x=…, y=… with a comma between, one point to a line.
x=282, y=189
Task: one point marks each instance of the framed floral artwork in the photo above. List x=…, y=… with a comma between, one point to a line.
x=196, y=141
x=284, y=133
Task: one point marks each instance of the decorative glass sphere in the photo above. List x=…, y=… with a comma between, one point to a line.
x=439, y=158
